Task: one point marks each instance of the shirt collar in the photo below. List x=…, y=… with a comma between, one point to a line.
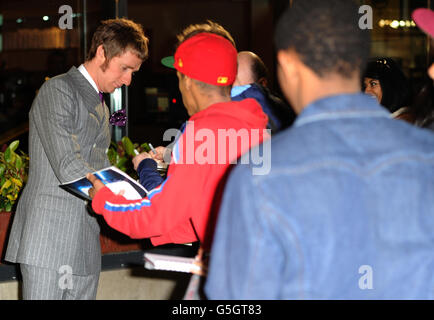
x=86, y=74
x=356, y=105
x=237, y=90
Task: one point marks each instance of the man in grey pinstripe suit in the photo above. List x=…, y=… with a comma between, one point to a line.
x=54, y=238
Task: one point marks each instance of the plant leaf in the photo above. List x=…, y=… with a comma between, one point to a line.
x=146, y=147
x=6, y=185
x=8, y=155
x=17, y=182
x=14, y=145
x=18, y=162
x=121, y=162
x=128, y=145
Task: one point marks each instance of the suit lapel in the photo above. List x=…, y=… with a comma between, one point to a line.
x=87, y=91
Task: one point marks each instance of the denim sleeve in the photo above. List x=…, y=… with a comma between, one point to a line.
x=149, y=177
x=242, y=260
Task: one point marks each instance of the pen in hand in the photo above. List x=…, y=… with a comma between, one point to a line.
x=152, y=148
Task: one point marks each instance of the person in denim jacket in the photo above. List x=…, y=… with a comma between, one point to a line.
x=347, y=210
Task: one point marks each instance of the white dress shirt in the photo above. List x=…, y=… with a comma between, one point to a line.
x=86, y=74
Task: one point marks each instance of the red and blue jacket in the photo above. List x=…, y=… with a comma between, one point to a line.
x=184, y=206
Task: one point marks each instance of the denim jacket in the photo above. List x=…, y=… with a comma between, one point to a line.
x=346, y=212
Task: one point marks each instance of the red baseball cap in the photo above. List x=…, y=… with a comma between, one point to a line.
x=424, y=19
x=206, y=57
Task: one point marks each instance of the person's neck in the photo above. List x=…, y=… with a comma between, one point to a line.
x=203, y=100
x=92, y=69
x=331, y=85
x=209, y=101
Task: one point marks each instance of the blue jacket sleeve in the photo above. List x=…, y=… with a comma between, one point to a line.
x=149, y=177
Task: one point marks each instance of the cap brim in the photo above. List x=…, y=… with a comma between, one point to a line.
x=168, y=62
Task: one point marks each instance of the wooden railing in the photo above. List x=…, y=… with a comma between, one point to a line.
x=14, y=133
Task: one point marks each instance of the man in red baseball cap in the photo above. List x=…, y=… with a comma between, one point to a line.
x=183, y=207
x=424, y=19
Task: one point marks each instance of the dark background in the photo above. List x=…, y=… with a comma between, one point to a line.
x=32, y=49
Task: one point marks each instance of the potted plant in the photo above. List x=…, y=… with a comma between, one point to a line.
x=14, y=167
x=13, y=175
x=121, y=153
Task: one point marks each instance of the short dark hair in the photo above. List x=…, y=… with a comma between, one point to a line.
x=326, y=36
x=207, y=88
x=209, y=27
x=116, y=36
x=393, y=82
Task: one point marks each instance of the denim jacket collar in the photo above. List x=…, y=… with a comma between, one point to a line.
x=357, y=105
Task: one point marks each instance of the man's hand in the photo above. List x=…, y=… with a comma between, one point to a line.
x=97, y=184
x=139, y=158
x=201, y=260
x=159, y=153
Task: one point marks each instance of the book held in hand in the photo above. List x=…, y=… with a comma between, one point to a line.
x=155, y=261
x=115, y=179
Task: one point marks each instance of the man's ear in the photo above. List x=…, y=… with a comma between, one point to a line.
x=287, y=64
x=263, y=81
x=100, y=54
x=289, y=75
x=188, y=82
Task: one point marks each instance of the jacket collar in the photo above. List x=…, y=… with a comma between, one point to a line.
x=357, y=105
x=85, y=88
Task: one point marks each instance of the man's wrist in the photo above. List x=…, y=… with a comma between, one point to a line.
x=147, y=163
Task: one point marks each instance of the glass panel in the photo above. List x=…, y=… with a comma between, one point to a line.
x=396, y=36
x=38, y=40
x=155, y=103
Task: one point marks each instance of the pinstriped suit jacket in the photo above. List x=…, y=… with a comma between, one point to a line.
x=69, y=135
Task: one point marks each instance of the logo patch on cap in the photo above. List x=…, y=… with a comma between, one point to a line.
x=180, y=63
x=222, y=80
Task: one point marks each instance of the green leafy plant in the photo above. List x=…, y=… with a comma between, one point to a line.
x=14, y=167
x=13, y=175
x=122, y=152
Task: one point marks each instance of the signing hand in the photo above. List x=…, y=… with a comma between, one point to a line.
x=97, y=184
x=139, y=158
x=202, y=261
x=159, y=153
